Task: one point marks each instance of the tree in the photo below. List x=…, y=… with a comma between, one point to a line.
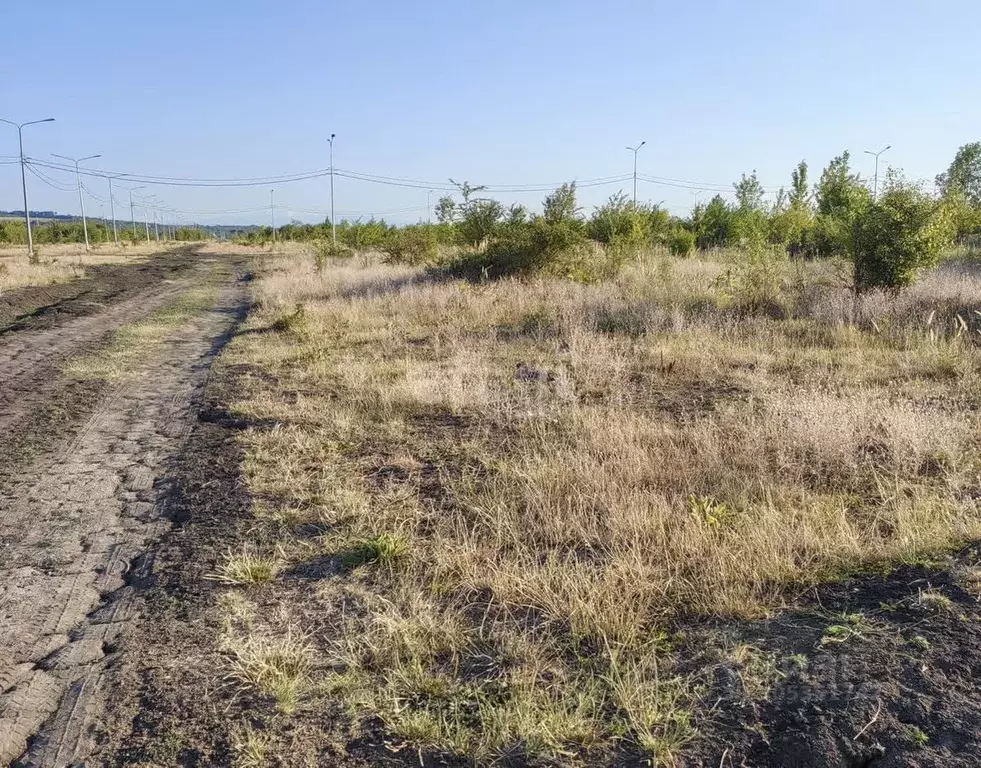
x=791, y=224
x=715, y=223
x=749, y=193
x=798, y=186
x=560, y=205
x=445, y=210
x=841, y=197
x=902, y=232
x=749, y=218
x=964, y=174
x=478, y=216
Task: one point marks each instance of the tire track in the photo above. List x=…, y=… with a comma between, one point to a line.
x=77, y=530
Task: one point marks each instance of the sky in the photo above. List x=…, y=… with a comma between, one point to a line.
x=503, y=93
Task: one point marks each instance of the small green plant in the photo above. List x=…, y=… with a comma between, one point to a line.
x=933, y=600
x=850, y=625
x=758, y=671
x=384, y=549
x=708, y=511
x=798, y=660
x=920, y=642
x=296, y=323
x=917, y=735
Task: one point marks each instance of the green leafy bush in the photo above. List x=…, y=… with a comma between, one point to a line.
x=411, y=245
x=904, y=231
x=681, y=242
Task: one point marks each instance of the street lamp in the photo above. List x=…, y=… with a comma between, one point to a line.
x=333, y=224
x=78, y=179
x=635, y=150
x=132, y=210
x=272, y=213
x=875, y=183
x=23, y=176
x=112, y=212
x=154, y=206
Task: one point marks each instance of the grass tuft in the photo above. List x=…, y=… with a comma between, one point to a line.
x=246, y=567
x=276, y=666
x=382, y=549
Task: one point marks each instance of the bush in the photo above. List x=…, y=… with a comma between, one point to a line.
x=411, y=245
x=536, y=247
x=619, y=223
x=904, y=231
x=324, y=250
x=681, y=242
x=754, y=284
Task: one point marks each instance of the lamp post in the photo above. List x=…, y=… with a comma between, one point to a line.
x=333, y=224
x=78, y=179
x=875, y=183
x=272, y=213
x=112, y=212
x=23, y=176
x=635, y=150
x=132, y=210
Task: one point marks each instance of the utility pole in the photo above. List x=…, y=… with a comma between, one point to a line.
x=112, y=211
x=272, y=214
x=429, y=207
x=23, y=177
x=333, y=224
x=875, y=183
x=635, y=150
x=78, y=179
x=146, y=221
x=132, y=210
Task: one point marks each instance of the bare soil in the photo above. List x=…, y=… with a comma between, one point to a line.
x=83, y=489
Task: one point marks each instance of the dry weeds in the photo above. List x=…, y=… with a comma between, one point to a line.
x=64, y=262
x=565, y=470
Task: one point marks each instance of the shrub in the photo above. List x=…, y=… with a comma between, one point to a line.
x=681, y=242
x=559, y=249
x=754, y=284
x=411, y=245
x=619, y=223
x=324, y=250
x=902, y=232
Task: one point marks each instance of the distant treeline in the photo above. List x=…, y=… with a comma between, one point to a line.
x=70, y=231
x=888, y=233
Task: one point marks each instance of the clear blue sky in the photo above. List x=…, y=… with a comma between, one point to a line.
x=502, y=93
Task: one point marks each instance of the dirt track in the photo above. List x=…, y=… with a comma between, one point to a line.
x=83, y=472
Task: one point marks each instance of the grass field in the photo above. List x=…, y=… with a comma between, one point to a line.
x=486, y=511
x=63, y=262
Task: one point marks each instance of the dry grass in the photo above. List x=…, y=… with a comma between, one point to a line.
x=246, y=567
x=278, y=667
x=64, y=262
x=132, y=342
x=568, y=470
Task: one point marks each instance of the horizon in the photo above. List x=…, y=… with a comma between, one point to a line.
x=521, y=99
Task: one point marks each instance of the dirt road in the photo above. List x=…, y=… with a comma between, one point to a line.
x=83, y=485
